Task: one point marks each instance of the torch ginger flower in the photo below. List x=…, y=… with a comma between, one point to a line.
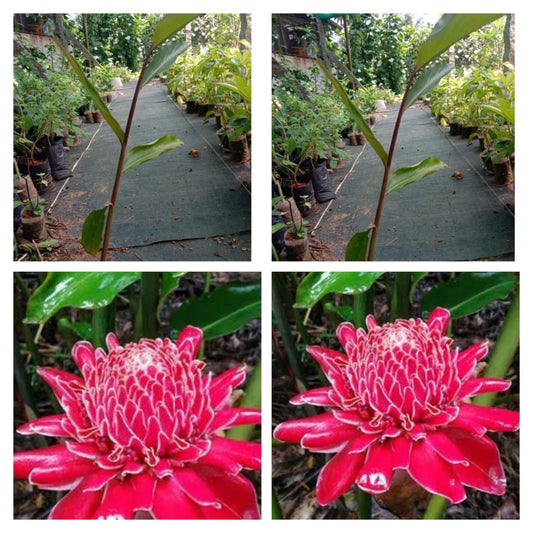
x=143, y=431
x=399, y=399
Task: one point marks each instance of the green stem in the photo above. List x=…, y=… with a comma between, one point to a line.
x=120, y=165
x=400, y=306
x=364, y=504
x=503, y=352
x=276, y=508
x=436, y=508
x=207, y=282
x=99, y=325
x=252, y=398
x=360, y=308
x=148, y=305
x=386, y=172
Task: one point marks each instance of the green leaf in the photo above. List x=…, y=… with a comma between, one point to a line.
x=427, y=80
x=356, y=115
x=163, y=59
x=92, y=92
x=82, y=329
x=169, y=281
x=345, y=312
x=316, y=285
x=357, y=247
x=169, y=25
x=406, y=175
x=85, y=290
x=221, y=311
x=469, y=292
x=145, y=152
x=448, y=30
x=92, y=231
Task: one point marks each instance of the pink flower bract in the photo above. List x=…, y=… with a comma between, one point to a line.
x=399, y=399
x=142, y=431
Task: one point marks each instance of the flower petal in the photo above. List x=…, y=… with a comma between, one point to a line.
x=118, y=501
x=83, y=355
x=235, y=416
x=329, y=441
x=247, y=454
x=293, y=430
x=433, y=473
x=468, y=359
x=338, y=475
x=491, y=418
x=196, y=488
x=438, y=320
x=483, y=469
x=171, y=503
x=188, y=342
x=51, y=426
x=235, y=493
x=475, y=386
x=51, y=456
x=64, y=476
x=77, y=504
x=376, y=474
x=320, y=396
x=222, y=385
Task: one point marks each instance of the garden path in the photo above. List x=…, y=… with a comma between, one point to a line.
x=439, y=218
x=176, y=207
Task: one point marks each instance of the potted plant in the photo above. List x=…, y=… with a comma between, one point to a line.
x=296, y=238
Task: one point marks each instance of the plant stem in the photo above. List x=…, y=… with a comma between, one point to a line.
x=364, y=505
x=400, y=307
x=147, y=325
x=123, y=149
x=503, y=351
x=386, y=172
x=99, y=323
x=276, y=509
x=436, y=507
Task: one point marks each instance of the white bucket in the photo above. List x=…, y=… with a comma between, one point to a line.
x=380, y=105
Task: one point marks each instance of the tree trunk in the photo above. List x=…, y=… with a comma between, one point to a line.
x=509, y=40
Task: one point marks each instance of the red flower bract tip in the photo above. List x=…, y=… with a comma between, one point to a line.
x=143, y=431
x=400, y=399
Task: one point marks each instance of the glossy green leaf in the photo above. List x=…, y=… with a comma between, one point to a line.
x=169, y=282
x=357, y=247
x=406, y=175
x=448, y=30
x=82, y=329
x=357, y=116
x=316, y=285
x=86, y=290
x=92, y=231
x=427, y=80
x=345, y=312
x=146, y=152
x=469, y=292
x=163, y=59
x=221, y=311
x=92, y=92
x=169, y=25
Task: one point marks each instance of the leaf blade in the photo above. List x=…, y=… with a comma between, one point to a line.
x=169, y=25
x=85, y=290
x=92, y=231
x=146, y=152
x=427, y=81
x=407, y=175
x=92, y=92
x=163, y=59
x=316, y=285
x=356, y=115
x=448, y=30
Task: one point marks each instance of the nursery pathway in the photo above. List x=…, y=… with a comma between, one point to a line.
x=175, y=207
x=439, y=218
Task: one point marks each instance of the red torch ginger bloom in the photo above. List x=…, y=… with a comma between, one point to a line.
x=400, y=399
x=143, y=431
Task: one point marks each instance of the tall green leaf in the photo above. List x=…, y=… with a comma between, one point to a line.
x=146, y=152
x=448, y=30
x=357, y=247
x=85, y=290
x=316, y=285
x=221, y=311
x=468, y=293
x=169, y=25
x=406, y=175
x=427, y=80
x=169, y=281
x=163, y=59
x=356, y=115
x=92, y=92
x=92, y=231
